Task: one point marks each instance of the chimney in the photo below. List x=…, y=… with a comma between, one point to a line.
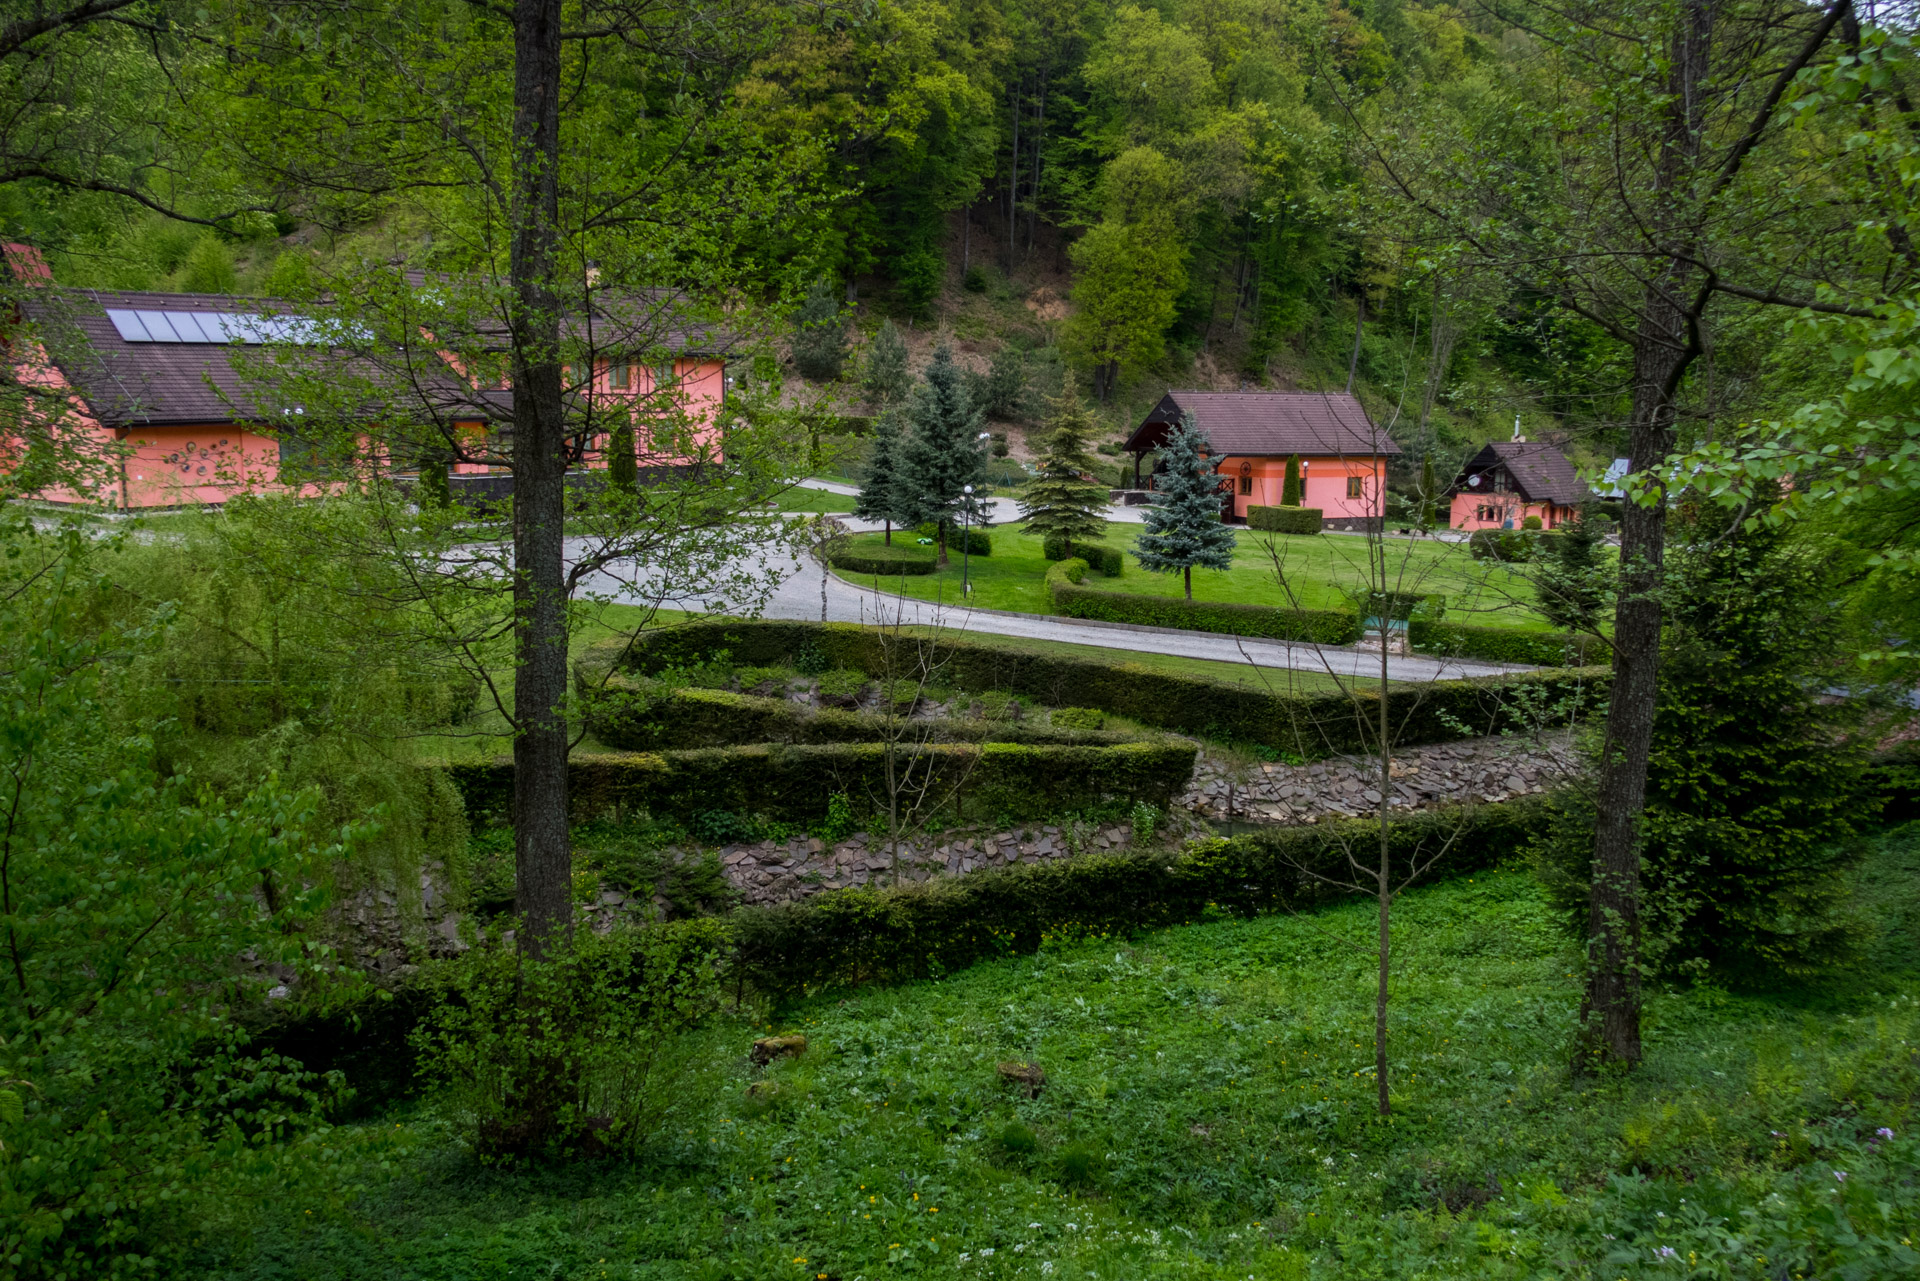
x=28, y=267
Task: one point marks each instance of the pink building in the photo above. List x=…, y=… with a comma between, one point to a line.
x=1343, y=456
x=150, y=378
x=1510, y=480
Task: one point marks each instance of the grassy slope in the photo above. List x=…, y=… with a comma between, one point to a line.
x=1207, y=1114
x=1321, y=571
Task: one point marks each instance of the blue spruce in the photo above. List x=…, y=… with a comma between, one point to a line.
x=1185, y=530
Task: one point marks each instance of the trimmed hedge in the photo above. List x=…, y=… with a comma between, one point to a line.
x=883, y=560
x=636, y=719
x=909, y=932
x=1110, y=561
x=1315, y=626
x=996, y=781
x=1285, y=520
x=1509, y=546
x=1506, y=644
x=959, y=537
x=1308, y=724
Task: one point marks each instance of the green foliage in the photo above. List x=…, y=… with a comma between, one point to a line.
x=942, y=455
x=885, y=376
x=131, y=896
x=1111, y=562
x=623, y=466
x=1753, y=793
x=883, y=560
x=819, y=334
x=795, y=783
x=1510, y=546
x=1060, y=504
x=1284, y=520
x=1184, y=529
x=1006, y=387
x=1307, y=725
x=1574, y=579
x=1530, y=523
x=1130, y=269
x=1077, y=718
x=1315, y=626
x=1429, y=491
x=1506, y=644
x=582, y=1053
x=209, y=268
x=1291, y=490
x=1145, y=821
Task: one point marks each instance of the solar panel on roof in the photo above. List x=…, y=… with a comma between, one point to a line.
x=128, y=325
x=159, y=328
x=223, y=327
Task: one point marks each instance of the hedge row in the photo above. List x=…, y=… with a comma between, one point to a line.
x=785, y=783
x=1512, y=546
x=1110, y=561
x=635, y=718
x=959, y=538
x=1285, y=520
x=882, y=560
x=1314, y=626
x=904, y=933
x=1307, y=724
x=1506, y=644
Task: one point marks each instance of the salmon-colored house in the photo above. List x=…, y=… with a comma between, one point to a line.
x=150, y=378
x=1343, y=456
x=1510, y=480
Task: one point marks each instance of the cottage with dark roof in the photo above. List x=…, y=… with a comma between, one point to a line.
x=1343, y=455
x=152, y=376
x=1510, y=480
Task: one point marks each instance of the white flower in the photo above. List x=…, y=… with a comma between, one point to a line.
x=987, y=1253
x=1045, y=1269
x=1327, y=1161
x=1021, y=1248
x=964, y=1257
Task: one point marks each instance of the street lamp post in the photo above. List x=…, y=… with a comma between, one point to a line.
x=966, y=539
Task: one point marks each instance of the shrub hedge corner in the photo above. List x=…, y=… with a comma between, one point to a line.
x=1312, y=626
x=883, y=560
x=1285, y=520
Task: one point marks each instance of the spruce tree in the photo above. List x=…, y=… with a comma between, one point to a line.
x=1006, y=385
x=1061, y=501
x=1185, y=530
x=942, y=455
x=1574, y=579
x=623, y=470
x=885, y=377
x=1290, y=488
x=877, y=500
x=819, y=335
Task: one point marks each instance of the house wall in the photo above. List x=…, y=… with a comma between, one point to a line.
x=1324, y=478
x=698, y=390
x=1502, y=510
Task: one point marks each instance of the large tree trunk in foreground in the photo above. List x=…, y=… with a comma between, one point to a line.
x=543, y=859
x=1666, y=340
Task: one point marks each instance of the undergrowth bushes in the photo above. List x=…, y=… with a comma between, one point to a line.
x=883, y=560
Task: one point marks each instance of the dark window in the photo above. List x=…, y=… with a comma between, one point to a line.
x=1246, y=478
x=620, y=377
x=1354, y=486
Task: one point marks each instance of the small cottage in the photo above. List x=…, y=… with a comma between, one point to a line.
x=1343, y=455
x=1510, y=480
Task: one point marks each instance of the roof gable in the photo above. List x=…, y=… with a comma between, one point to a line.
x=1268, y=423
x=1540, y=473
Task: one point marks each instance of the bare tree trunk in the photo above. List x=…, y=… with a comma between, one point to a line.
x=1359, y=327
x=543, y=859
x=1039, y=138
x=1665, y=344
x=1013, y=175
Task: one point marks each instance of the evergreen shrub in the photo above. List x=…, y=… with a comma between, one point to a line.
x=1308, y=724
x=1506, y=644
x=1314, y=626
x=1110, y=561
x=959, y=538
x=911, y=932
x=1284, y=520
x=882, y=560
x=996, y=781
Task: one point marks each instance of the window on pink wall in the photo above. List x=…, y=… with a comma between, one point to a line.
x=1355, y=486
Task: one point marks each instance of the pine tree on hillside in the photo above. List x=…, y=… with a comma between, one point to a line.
x=877, y=500
x=943, y=453
x=1290, y=487
x=819, y=335
x=1061, y=501
x=885, y=377
x=1185, y=530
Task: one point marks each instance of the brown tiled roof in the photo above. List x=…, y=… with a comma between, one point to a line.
x=1268, y=423
x=1539, y=472
x=134, y=383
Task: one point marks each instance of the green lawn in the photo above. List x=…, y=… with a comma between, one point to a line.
x=1208, y=1114
x=1319, y=570
x=801, y=499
